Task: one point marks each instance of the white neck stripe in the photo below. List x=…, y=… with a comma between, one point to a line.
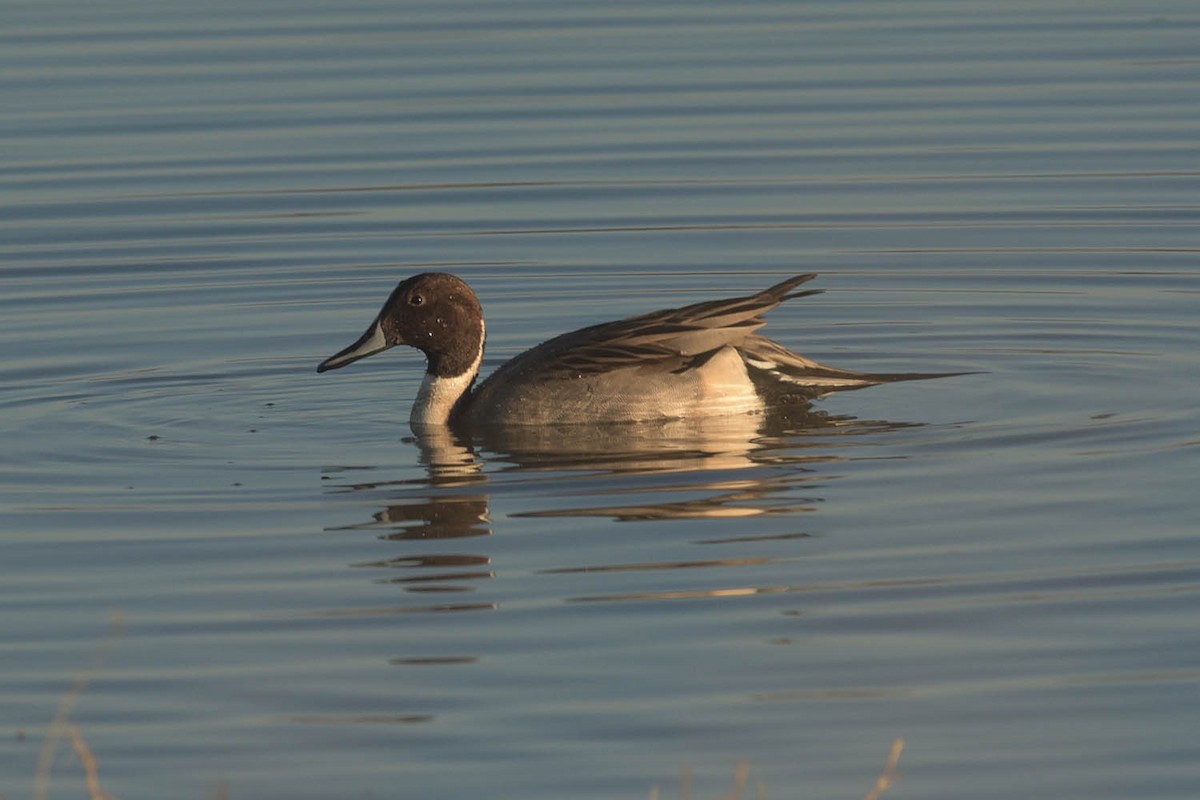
x=437, y=396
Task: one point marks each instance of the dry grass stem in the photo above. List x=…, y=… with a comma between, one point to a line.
x=89, y=765
x=740, y=778
x=66, y=705
x=889, y=774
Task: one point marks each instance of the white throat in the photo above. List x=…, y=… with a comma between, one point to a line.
x=437, y=396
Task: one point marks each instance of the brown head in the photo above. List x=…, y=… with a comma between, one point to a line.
x=435, y=312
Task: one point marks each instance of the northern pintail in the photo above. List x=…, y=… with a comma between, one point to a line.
x=700, y=360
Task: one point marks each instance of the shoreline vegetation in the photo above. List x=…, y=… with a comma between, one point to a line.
x=61, y=727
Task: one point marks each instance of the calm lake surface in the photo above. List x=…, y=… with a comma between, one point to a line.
x=273, y=590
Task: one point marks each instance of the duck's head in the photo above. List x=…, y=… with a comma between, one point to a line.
x=435, y=312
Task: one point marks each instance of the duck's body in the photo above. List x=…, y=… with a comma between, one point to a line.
x=700, y=360
x=522, y=390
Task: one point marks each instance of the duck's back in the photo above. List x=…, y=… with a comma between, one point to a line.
x=680, y=362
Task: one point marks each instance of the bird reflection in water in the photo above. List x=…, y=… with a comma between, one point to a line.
x=734, y=467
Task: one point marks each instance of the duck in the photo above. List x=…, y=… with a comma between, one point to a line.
x=700, y=360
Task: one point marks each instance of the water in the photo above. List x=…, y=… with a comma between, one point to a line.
x=200, y=203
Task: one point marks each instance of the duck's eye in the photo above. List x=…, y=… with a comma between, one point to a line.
x=415, y=300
